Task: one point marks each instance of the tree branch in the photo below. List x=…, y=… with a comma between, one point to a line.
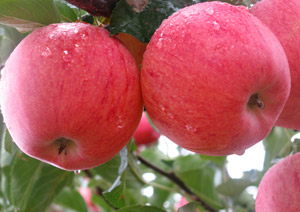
x=177, y=181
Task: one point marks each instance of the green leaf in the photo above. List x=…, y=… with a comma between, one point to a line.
x=28, y=15
x=234, y=187
x=277, y=145
x=9, y=39
x=35, y=184
x=198, y=175
x=116, y=196
x=143, y=25
x=71, y=199
x=140, y=208
x=8, y=149
x=191, y=207
x=67, y=13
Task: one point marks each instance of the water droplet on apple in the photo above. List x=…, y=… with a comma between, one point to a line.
x=162, y=108
x=216, y=25
x=75, y=31
x=239, y=152
x=209, y=10
x=51, y=36
x=190, y=128
x=159, y=43
x=77, y=172
x=47, y=52
x=83, y=36
x=120, y=123
x=67, y=57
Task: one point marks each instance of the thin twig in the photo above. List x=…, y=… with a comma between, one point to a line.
x=176, y=180
x=99, y=190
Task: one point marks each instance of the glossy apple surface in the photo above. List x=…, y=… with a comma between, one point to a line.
x=283, y=18
x=279, y=189
x=70, y=95
x=214, y=79
x=145, y=134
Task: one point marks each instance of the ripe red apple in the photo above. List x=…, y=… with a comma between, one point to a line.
x=70, y=95
x=283, y=18
x=145, y=134
x=86, y=193
x=214, y=79
x=279, y=189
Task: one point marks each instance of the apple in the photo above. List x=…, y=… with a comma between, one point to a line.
x=86, y=193
x=283, y=18
x=136, y=47
x=279, y=189
x=145, y=134
x=70, y=95
x=214, y=79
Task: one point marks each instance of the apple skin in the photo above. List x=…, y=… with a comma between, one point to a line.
x=279, y=189
x=145, y=134
x=283, y=18
x=70, y=95
x=86, y=193
x=214, y=79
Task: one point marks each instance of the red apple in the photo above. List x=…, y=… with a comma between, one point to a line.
x=283, y=18
x=145, y=134
x=86, y=193
x=279, y=190
x=70, y=95
x=214, y=79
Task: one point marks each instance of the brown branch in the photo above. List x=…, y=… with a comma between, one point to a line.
x=177, y=181
x=99, y=190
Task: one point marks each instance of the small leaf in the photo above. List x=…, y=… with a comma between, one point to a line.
x=234, y=187
x=140, y=208
x=71, y=199
x=9, y=39
x=116, y=196
x=28, y=15
x=191, y=207
x=67, y=13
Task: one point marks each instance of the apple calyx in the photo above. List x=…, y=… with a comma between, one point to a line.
x=63, y=143
x=255, y=101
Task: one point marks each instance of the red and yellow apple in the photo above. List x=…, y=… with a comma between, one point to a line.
x=283, y=18
x=279, y=190
x=145, y=134
x=214, y=79
x=70, y=95
x=136, y=47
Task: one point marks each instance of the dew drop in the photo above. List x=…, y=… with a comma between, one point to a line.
x=170, y=115
x=190, y=128
x=239, y=152
x=77, y=172
x=209, y=10
x=216, y=25
x=47, y=52
x=162, y=108
x=159, y=43
x=67, y=57
x=120, y=123
x=83, y=36
x=51, y=36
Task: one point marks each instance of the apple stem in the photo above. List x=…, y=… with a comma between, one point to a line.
x=254, y=100
x=62, y=143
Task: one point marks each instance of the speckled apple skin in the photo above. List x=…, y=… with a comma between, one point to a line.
x=199, y=71
x=145, y=134
x=71, y=80
x=279, y=190
x=283, y=18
